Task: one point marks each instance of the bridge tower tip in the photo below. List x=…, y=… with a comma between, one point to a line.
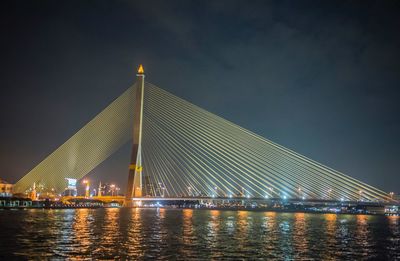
x=140, y=70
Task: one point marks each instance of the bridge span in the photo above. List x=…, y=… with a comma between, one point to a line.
x=121, y=200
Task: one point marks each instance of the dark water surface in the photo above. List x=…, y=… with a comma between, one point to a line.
x=195, y=235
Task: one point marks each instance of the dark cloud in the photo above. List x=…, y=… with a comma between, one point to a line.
x=318, y=77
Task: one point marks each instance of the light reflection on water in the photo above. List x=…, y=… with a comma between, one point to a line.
x=195, y=234
x=362, y=235
x=330, y=235
x=189, y=240
x=270, y=235
x=299, y=236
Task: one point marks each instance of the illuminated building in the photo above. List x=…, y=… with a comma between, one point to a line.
x=6, y=189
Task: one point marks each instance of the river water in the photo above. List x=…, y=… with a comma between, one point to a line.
x=186, y=234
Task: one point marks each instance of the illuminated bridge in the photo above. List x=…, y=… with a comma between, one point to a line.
x=181, y=150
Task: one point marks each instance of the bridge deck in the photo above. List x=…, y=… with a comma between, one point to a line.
x=108, y=199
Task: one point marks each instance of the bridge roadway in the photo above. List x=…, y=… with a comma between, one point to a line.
x=105, y=199
x=259, y=200
x=121, y=199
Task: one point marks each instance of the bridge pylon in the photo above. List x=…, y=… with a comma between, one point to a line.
x=135, y=183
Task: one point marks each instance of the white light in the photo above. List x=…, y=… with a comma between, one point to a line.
x=230, y=196
x=303, y=198
x=213, y=196
x=248, y=196
x=342, y=199
x=284, y=197
x=266, y=196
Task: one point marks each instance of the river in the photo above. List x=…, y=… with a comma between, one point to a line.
x=187, y=234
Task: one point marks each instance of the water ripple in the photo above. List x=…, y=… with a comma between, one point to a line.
x=142, y=234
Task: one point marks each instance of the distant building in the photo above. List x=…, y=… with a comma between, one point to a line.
x=69, y=192
x=6, y=189
x=106, y=189
x=148, y=187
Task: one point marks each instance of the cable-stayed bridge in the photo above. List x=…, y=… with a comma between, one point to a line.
x=181, y=150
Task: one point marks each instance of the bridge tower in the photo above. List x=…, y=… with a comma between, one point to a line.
x=135, y=185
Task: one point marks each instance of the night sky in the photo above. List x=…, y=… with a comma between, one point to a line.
x=319, y=77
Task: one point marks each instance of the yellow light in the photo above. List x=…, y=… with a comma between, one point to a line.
x=140, y=70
